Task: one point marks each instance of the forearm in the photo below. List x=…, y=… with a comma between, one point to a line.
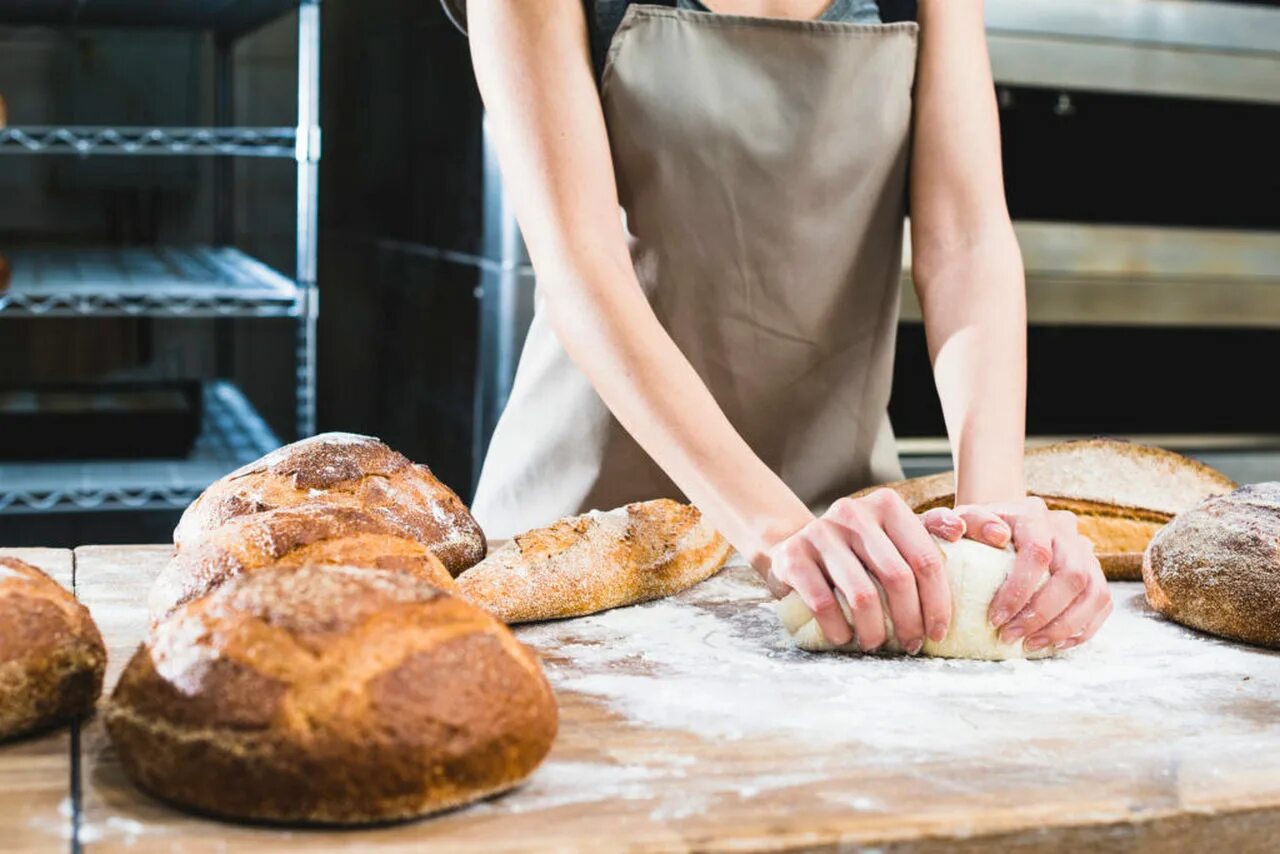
x=608, y=328
x=975, y=321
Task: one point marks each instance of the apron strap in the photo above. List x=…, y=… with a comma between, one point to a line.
x=603, y=19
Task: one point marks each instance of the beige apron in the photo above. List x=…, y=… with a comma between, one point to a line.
x=761, y=164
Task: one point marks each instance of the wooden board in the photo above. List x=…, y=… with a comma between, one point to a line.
x=35, y=772
x=688, y=723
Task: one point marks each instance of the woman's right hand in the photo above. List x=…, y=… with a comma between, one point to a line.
x=857, y=539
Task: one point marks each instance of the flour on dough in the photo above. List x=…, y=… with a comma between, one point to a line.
x=974, y=572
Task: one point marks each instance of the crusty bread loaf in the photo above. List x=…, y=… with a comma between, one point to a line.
x=1216, y=567
x=346, y=470
x=51, y=654
x=329, y=695
x=291, y=536
x=1121, y=492
x=597, y=561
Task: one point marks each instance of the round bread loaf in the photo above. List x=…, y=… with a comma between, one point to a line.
x=347, y=470
x=291, y=536
x=330, y=695
x=1216, y=567
x=51, y=654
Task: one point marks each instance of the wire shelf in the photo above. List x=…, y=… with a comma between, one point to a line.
x=156, y=282
x=232, y=434
x=149, y=141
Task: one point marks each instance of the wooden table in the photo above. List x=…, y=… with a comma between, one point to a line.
x=688, y=724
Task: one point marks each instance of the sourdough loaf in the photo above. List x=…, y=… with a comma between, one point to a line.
x=346, y=470
x=329, y=695
x=1216, y=567
x=596, y=561
x=1121, y=493
x=51, y=654
x=291, y=536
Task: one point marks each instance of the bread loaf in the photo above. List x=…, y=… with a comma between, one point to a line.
x=1121, y=493
x=291, y=536
x=329, y=695
x=345, y=470
x=597, y=561
x=51, y=654
x=1216, y=567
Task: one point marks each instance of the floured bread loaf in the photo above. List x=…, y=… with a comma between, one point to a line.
x=596, y=561
x=331, y=695
x=51, y=654
x=291, y=536
x=1121, y=493
x=974, y=574
x=1216, y=567
x=343, y=469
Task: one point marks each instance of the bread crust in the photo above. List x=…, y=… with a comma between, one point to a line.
x=1121, y=492
x=330, y=695
x=291, y=536
x=52, y=657
x=589, y=563
x=1216, y=567
x=347, y=470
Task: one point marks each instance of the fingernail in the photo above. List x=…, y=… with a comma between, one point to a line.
x=1000, y=618
x=1035, y=644
x=937, y=632
x=915, y=647
x=995, y=531
x=1066, y=644
x=1012, y=633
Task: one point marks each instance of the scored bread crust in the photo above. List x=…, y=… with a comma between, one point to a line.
x=1216, y=567
x=51, y=654
x=291, y=536
x=330, y=695
x=600, y=560
x=343, y=469
x=1121, y=492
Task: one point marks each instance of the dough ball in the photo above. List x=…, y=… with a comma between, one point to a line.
x=974, y=573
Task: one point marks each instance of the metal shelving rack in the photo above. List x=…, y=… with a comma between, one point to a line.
x=215, y=281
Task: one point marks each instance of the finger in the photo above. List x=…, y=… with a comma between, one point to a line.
x=927, y=566
x=849, y=576
x=1070, y=575
x=796, y=565
x=1077, y=622
x=886, y=563
x=944, y=523
x=985, y=526
x=1033, y=542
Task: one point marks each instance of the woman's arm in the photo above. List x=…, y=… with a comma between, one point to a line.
x=532, y=63
x=969, y=277
x=966, y=263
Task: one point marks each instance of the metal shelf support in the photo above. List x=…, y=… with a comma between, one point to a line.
x=307, y=155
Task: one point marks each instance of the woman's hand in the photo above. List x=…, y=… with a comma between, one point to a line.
x=857, y=539
x=1073, y=603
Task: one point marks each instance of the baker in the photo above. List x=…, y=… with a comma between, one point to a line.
x=729, y=337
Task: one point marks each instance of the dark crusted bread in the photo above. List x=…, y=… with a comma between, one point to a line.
x=51, y=654
x=291, y=536
x=346, y=470
x=1121, y=493
x=1216, y=567
x=597, y=561
x=330, y=695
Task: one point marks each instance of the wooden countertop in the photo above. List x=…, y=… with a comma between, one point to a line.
x=688, y=724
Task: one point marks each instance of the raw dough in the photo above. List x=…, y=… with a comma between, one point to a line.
x=974, y=572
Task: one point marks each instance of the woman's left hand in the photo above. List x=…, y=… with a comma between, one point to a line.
x=1073, y=603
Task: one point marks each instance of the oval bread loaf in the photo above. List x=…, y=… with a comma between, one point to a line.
x=596, y=561
x=291, y=536
x=1216, y=567
x=51, y=653
x=343, y=469
x=329, y=695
